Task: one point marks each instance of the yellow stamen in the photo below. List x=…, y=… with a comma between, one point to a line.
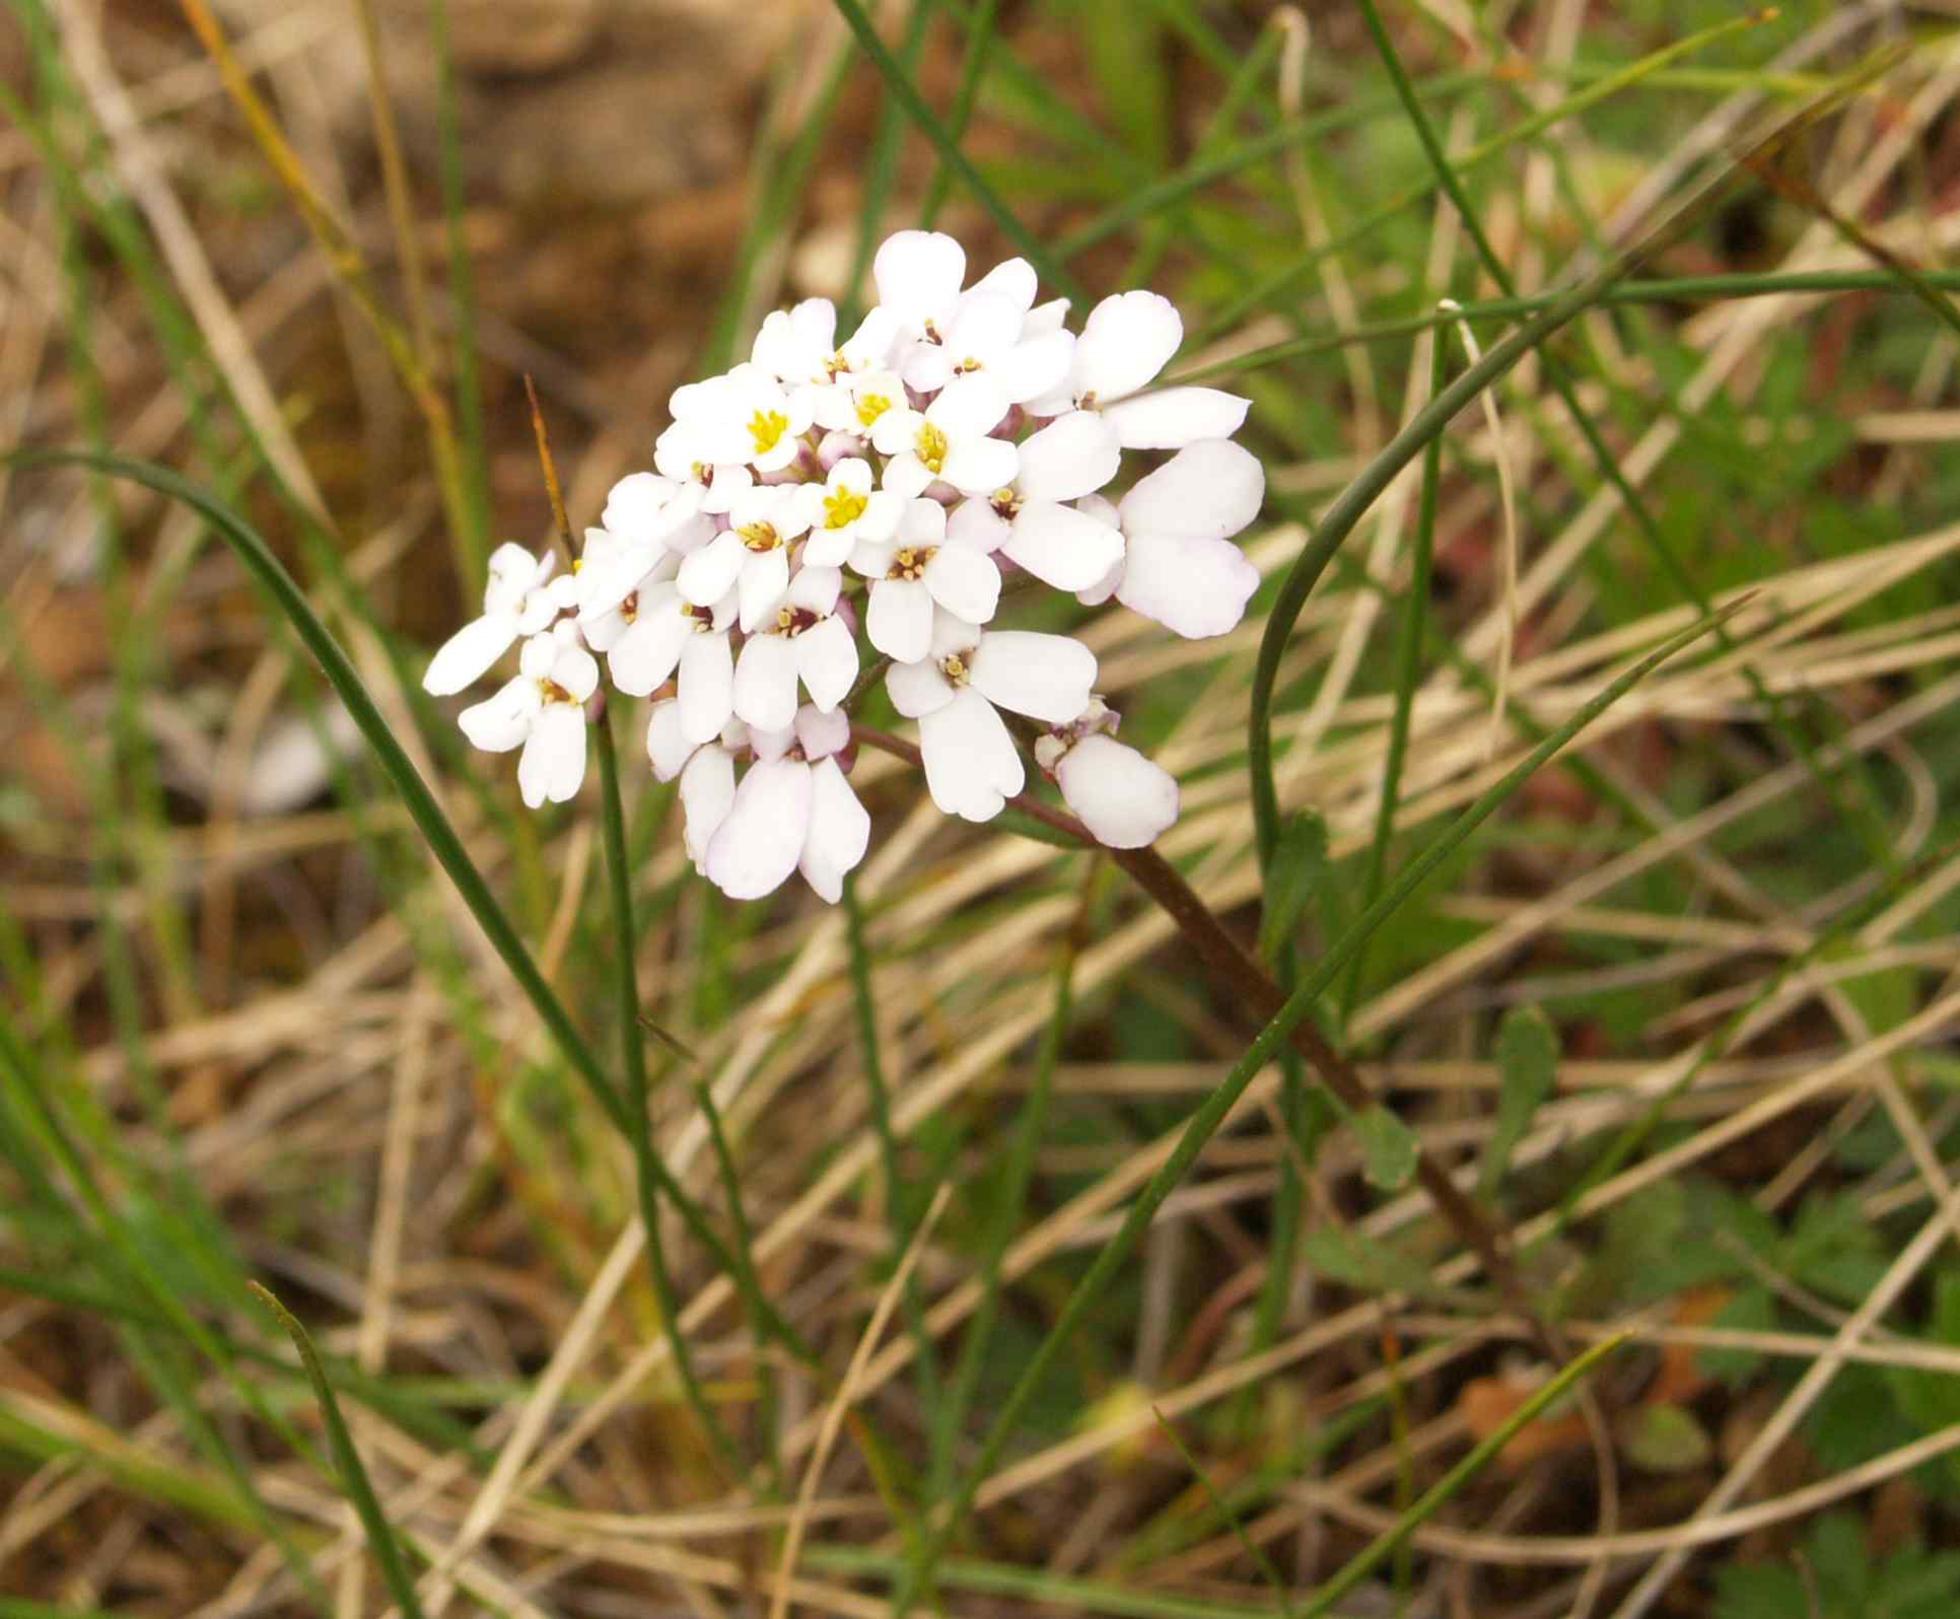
x=843, y=507
x=933, y=447
x=909, y=561
x=760, y=536
x=871, y=407
x=766, y=430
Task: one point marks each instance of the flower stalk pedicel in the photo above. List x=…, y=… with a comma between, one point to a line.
x=842, y=497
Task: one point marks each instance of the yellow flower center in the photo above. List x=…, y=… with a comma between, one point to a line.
x=933, y=447
x=871, y=407
x=553, y=692
x=1006, y=500
x=629, y=609
x=909, y=562
x=955, y=669
x=766, y=430
x=704, y=618
x=843, y=507
x=760, y=536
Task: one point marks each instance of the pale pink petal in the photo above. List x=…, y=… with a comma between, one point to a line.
x=1175, y=417
x=1125, y=342
x=765, y=682
x=840, y=832
x=553, y=761
x=822, y=734
x=1061, y=546
x=756, y=847
x=974, y=525
x=827, y=661
x=972, y=767
x=917, y=688
x=1209, y=490
x=467, y=655
x=1196, y=588
x=1046, y=677
x=1126, y=800
x=965, y=581
x=707, y=686
x=899, y=620
x=1072, y=456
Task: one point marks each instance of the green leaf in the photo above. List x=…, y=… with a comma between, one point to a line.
x=1363, y=1263
x=1666, y=1439
x=1527, y=1074
x=1388, y=1148
x=1293, y=877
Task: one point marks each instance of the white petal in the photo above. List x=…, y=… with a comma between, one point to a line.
x=815, y=588
x=917, y=688
x=467, y=655
x=646, y=654
x=1125, y=342
x=971, y=764
x=827, y=660
x=636, y=508
x=964, y=580
x=553, y=762
x=968, y=406
x=1122, y=797
x=979, y=466
x=986, y=326
x=1195, y=587
x=762, y=583
x=974, y=525
x=666, y=747
x=1209, y=490
x=918, y=275
x=576, y=671
x=1061, y=546
x=503, y=719
x=906, y=475
x=1034, y=366
x=1046, y=677
x=707, y=686
x=1175, y=417
x=899, y=620
x=1072, y=456
x=710, y=573
x=840, y=832
x=1012, y=279
x=1045, y=318
x=757, y=846
x=707, y=789
x=512, y=572
x=765, y=682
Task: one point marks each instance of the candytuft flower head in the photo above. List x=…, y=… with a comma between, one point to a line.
x=883, y=493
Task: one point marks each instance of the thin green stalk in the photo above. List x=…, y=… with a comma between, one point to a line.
x=882, y=169
x=1016, y=1176
x=1251, y=1547
x=908, y=97
x=1408, y=670
x=1861, y=810
x=1212, y=1112
x=347, y=1461
x=979, y=41
x=632, y=1048
x=898, y=1203
x=1452, y=1483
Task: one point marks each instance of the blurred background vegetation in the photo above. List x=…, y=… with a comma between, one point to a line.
x=1681, y=1012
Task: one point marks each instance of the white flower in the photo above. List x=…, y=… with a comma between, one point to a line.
x=1180, y=567
x=1073, y=456
x=795, y=345
x=805, y=641
x=985, y=336
x=930, y=560
x=854, y=402
x=1123, y=798
x=1125, y=342
x=647, y=510
x=751, y=556
x=948, y=441
x=845, y=510
x=543, y=709
x=793, y=811
x=520, y=597
x=706, y=771
x=972, y=766
x=655, y=632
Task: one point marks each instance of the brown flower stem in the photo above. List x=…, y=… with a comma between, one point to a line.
x=1238, y=972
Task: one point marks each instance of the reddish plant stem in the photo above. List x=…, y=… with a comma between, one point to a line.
x=1237, y=971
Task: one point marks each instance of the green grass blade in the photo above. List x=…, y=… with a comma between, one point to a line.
x=347, y=1460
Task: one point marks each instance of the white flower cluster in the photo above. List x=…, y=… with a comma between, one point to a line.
x=881, y=485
